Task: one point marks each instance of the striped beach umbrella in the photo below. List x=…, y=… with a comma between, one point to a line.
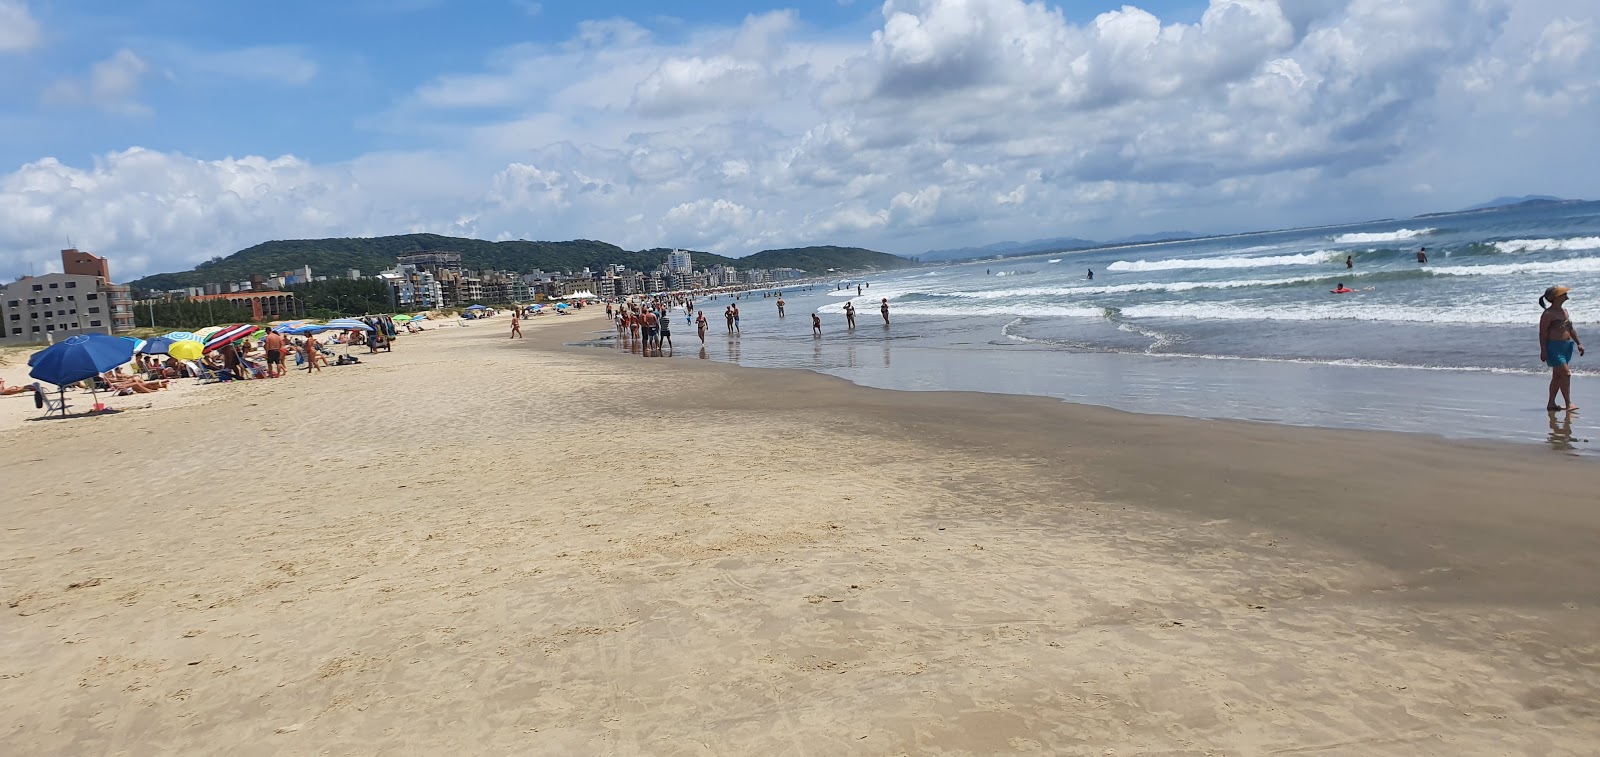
x=205, y=333
x=183, y=336
x=228, y=335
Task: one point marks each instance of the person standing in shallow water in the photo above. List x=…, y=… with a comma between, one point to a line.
x=850, y=315
x=1557, y=338
x=884, y=309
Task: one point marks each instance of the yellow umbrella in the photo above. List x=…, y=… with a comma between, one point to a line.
x=186, y=350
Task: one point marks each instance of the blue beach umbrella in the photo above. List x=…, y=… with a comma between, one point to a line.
x=182, y=336
x=347, y=325
x=79, y=357
x=477, y=307
x=156, y=345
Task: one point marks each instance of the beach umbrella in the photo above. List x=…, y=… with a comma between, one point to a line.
x=477, y=307
x=347, y=325
x=187, y=349
x=156, y=345
x=228, y=335
x=79, y=357
x=182, y=336
x=402, y=318
x=204, y=334
x=138, y=344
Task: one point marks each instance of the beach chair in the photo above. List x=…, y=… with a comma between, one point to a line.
x=208, y=376
x=56, y=405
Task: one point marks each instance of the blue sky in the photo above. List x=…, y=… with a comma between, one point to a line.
x=165, y=132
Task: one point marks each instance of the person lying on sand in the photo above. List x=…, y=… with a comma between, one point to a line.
x=10, y=390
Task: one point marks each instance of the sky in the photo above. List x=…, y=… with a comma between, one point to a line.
x=161, y=133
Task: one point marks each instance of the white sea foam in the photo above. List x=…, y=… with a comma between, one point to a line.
x=1053, y=260
x=1309, y=258
x=952, y=309
x=1548, y=245
x=1345, y=309
x=1171, y=286
x=1578, y=265
x=1398, y=235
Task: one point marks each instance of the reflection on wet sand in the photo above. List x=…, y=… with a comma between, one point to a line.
x=1561, y=438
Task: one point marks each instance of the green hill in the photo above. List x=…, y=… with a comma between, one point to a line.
x=332, y=257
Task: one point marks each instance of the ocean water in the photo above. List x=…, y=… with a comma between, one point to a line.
x=1240, y=327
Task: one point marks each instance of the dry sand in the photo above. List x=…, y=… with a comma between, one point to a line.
x=476, y=546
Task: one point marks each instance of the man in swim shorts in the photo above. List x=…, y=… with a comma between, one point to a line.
x=273, y=344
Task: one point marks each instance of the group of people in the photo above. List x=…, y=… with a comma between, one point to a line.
x=645, y=323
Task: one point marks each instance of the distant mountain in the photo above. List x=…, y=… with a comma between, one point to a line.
x=332, y=257
x=1160, y=236
x=1501, y=202
x=1007, y=249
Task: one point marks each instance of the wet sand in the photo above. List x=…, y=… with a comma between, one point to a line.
x=479, y=546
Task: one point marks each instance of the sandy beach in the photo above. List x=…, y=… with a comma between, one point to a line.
x=475, y=545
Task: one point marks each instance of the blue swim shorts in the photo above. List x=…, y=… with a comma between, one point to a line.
x=1558, y=352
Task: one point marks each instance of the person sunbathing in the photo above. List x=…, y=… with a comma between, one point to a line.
x=10, y=390
x=133, y=384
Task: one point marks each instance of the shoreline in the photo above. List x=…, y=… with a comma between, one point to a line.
x=1361, y=464
x=535, y=548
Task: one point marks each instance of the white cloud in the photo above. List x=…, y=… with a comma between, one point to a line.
x=957, y=121
x=18, y=29
x=111, y=84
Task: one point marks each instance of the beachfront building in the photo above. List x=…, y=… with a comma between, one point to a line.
x=264, y=305
x=79, y=300
x=678, y=261
x=52, y=307
x=411, y=288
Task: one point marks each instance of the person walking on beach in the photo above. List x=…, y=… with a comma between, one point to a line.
x=311, y=354
x=816, y=325
x=780, y=306
x=666, y=331
x=700, y=325
x=516, y=324
x=850, y=315
x=1557, y=338
x=273, y=344
x=884, y=309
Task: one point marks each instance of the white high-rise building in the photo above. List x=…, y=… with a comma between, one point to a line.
x=678, y=262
